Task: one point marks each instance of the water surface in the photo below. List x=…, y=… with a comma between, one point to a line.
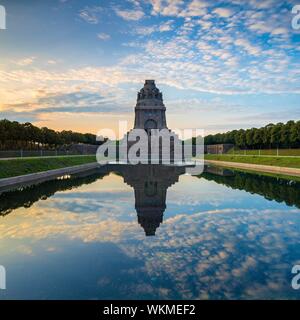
x=151, y=232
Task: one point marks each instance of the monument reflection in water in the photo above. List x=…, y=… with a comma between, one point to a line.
x=150, y=183
x=218, y=235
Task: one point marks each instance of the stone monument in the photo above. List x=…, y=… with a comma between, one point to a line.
x=150, y=111
x=162, y=144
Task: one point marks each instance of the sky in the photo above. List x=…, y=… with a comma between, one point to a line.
x=221, y=65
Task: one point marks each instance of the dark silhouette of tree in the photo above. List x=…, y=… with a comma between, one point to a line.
x=27, y=196
x=15, y=135
x=271, y=188
x=278, y=135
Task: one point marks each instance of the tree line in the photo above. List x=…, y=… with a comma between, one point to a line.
x=27, y=196
x=15, y=135
x=278, y=189
x=278, y=135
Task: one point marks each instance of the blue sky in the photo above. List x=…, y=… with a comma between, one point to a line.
x=71, y=64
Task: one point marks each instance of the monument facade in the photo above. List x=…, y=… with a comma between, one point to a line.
x=150, y=111
x=161, y=144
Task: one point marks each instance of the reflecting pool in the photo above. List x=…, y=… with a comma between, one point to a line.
x=151, y=232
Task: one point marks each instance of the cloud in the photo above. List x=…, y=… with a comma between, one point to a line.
x=260, y=27
x=205, y=242
x=25, y=62
x=90, y=14
x=223, y=12
x=246, y=51
x=279, y=31
x=247, y=46
x=130, y=14
x=166, y=26
x=103, y=36
x=266, y=4
x=78, y=102
x=53, y=62
x=147, y=30
x=167, y=7
x=195, y=8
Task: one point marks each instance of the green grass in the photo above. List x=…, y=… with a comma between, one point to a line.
x=18, y=167
x=269, y=161
x=267, y=152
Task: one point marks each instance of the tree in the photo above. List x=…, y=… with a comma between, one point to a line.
x=14, y=135
x=258, y=138
x=272, y=135
x=295, y=134
x=275, y=135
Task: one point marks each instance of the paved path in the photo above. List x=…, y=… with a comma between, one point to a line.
x=256, y=155
x=257, y=167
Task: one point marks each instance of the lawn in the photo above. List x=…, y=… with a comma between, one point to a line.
x=292, y=162
x=18, y=167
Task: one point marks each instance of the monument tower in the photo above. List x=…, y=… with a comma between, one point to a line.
x=160, y=145
x=150, y=111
